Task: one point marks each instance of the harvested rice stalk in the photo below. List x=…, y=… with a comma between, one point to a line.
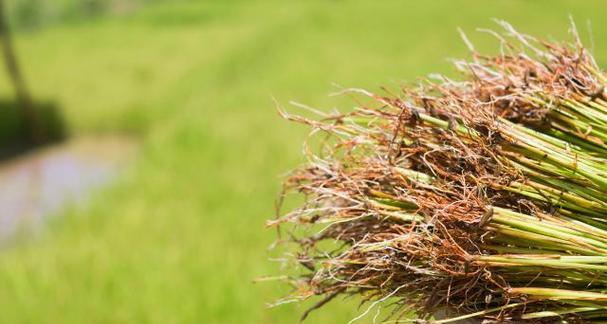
x=487, y=196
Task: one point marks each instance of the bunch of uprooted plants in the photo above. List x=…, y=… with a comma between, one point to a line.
x=486, y=196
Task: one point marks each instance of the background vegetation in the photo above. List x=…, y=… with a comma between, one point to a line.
x=182, y=236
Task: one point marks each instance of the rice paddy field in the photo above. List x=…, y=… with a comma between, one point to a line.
x=181, y=237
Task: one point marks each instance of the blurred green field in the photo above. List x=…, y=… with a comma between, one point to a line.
x=180, y=239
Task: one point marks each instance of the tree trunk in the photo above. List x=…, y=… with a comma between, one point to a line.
x=30, y=117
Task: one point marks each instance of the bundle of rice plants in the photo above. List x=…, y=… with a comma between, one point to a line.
x=485, y=196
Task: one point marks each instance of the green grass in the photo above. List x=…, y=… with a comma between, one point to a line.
x=180, y=239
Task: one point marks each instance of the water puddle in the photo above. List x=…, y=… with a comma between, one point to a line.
x=41, y=183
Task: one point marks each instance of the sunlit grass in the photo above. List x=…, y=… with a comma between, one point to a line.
x=181, y=238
